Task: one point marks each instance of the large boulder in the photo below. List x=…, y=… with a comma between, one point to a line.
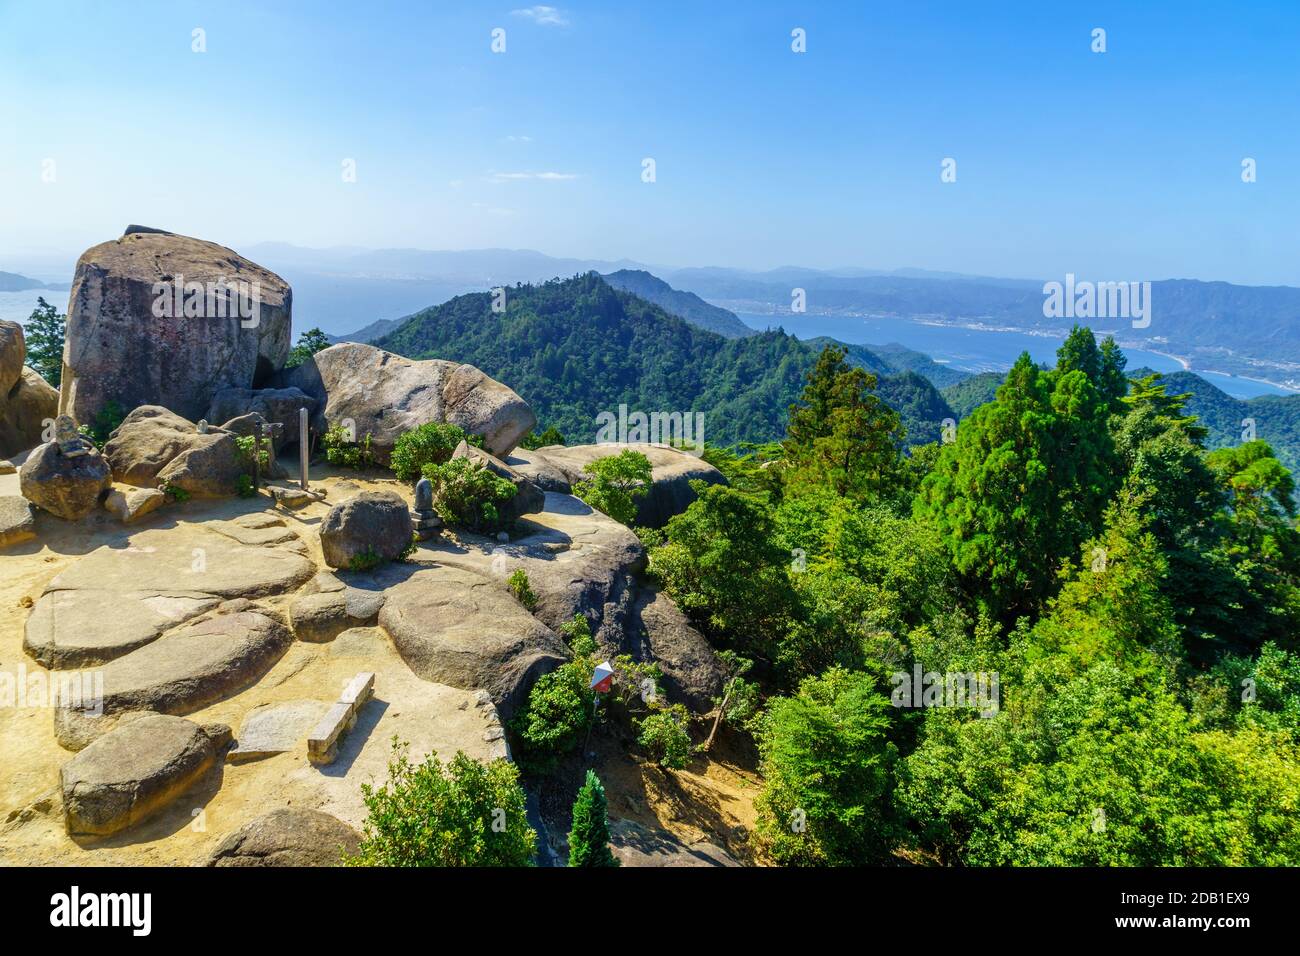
x=453, y=626
x=528, y=499
x=26, y=409
x=148, y=440
x=671, y=471
x=136, y=770
x=374, y=524
x=289, y=836
x=13, y=352
x=133, y=341
x=384, y=395
x=17, y=522
x=688, y=663
x=69, y=488
x=209, y=470
x=273, y=404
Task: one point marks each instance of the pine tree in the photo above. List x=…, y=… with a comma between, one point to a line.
x=589, y=838
x=44, y=333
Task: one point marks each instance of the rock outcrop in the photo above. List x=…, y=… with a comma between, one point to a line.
x=373, y=526
x=67, y=487
x=671, y=471
x=25, y=411
x=290, y=836
x=160, y=319
x=460, y=628
x=273, y=404
x=148, y=440
x=13, y=353
x=528, y=498
x=136, y=770
x=17, y=522
x=384, y=395
x=208, y=470
x=690, y=668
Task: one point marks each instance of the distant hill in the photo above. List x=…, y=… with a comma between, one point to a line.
x=966, y=396
x=369, y=333
x=13, y=282
x=577, y=347
x=684, y=305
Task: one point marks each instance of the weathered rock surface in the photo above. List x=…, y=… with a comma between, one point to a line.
x=192, y=667
x=539, y=470
x=69, y=488
x=635, y=844
x=134, y=771
x=130, y=506
x=121, y=348
x=93, y=626
x=273, y=404
x=24, y=410
x=13, y=353
x=460, y=628
x=528, y=499
x=149, y=438
x=690, y=668
x=671, y=474
x=17, y=521
x=275, y=728
x=209, y=470
x=165, y=561
x=290, y=836
x=373, y=523
x=323, y=616
x=384, y=395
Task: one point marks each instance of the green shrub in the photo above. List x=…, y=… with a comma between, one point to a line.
x=244, y=486
x=103, y=424
x=577, y=634
x=365, y=560
x=466, y=494
x=589, y=838
x=551, y=436
x=616, y=482
x=557, y=714
x=466, y=814
x=664, y=735
x=245, y=444
x=175, y=493
x=343, y=452
x=429, y=444
x=522, y=589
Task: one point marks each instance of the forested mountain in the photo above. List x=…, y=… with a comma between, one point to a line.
x=577, y=347
x=684, y=305
x=969, y=394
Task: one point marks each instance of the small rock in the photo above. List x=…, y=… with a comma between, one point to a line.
x=290, y=836
x=17, y=521
x=69, y=488
x=131, y=506
x=374, y=523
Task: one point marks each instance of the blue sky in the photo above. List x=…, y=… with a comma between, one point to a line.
x=1120, y=165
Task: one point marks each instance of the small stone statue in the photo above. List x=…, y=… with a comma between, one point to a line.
x=202, y=426
x=71, y=442
x=424, y=520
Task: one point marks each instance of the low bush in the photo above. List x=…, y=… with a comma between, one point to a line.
x=466, y=494
x=429, y=444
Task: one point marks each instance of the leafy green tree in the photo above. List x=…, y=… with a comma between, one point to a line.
x=557, y=713
x=723, y=567
x=466, y=494
x=828, y=770
x=589, y=838
x=44, y=333
x=534, y=441
x=309, y=343
x=616, y=482
x=664, y=733
x=739, y=700
x=841, y=435
x=467, y=813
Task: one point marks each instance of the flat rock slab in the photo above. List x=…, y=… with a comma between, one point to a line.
x=456, y=627
x=324, y=615
x=92, y=626
x=17, y=521
x=254, y=537
x=276, y=728
x=193, y=666
x=290, y=836
x=188, y=559
x=134, y=771
x=637, y=845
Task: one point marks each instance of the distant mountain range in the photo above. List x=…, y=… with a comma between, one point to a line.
x=684, y=305
x=13, y=282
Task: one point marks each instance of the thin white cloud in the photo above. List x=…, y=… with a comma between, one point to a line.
x=546, y=176
x=543, y=16
x=519, y=139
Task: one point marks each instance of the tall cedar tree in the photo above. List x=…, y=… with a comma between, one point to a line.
x=44, y=334
x=589, y=838
x=841, y=435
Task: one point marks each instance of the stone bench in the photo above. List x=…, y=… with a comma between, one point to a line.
x=322, y=744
